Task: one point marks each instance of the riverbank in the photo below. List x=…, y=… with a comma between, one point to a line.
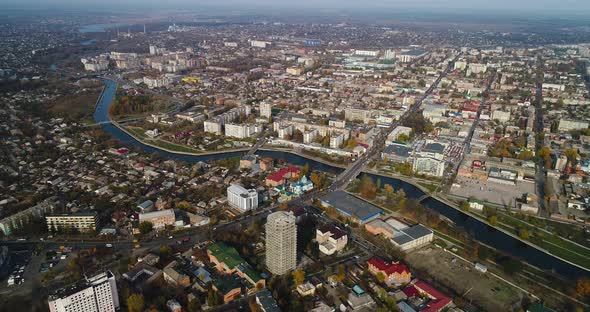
x=478, y=229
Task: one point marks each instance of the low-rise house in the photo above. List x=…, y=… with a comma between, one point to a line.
x=172, y=276
x=306, y=289
x=331, y=239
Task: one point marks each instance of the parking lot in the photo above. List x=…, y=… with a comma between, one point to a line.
x=497, y=193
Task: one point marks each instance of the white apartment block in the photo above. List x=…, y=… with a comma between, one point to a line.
x=283, y=132
x=477, y=68
x=212, y=126
x=83, y=222
x=265, y=109
x=337, y=123
x=461, y=65
x=553, y=87
x=309, y=136
x=372, y=53
x=336, y=141
x=281, y=242
x=568, y=124
x=429, y=166
x=502, y=116
x=241, y=198
x=240, y=131
x=258, y=44
x=389, y=54
x=357, y=114
x=96, y=294
x=17, y=220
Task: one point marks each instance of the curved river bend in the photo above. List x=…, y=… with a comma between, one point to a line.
x=477, y=229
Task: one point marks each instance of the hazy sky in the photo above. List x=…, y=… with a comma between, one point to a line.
x=523, y=7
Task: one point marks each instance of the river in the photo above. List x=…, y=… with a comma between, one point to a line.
x=477, y=229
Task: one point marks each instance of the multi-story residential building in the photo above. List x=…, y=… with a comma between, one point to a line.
x=357, y=114
x=309, y=136
x=394, y=135
x=295, y=71
x=336, y=140
x=241, y=198
x=394, y=273
x=501, y=116
x=212, y=126
x=568, y=125
x=331, y=239
x=258, y=44
x=285, y=132
x=17, y=220
x=239, y=130
x=265, y=109
x=281, y=242
x=96, y=294
x=371, y=53
x=82, y=222
x=428, y=165
x=159, y=219
x=336, y=123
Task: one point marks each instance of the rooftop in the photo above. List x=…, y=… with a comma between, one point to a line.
x=350, y=205
x=226, y=254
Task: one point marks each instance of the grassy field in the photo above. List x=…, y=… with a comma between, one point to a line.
x=78, y=106
x=140, y=134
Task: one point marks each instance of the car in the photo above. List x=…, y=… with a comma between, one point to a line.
x=109, y=245
x=137, y=246
x=170, y=237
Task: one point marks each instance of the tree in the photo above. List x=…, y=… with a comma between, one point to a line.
x=572, y=155
x=165, y=251
x=194, y=306
x=367, y=188
x=135, y=303
x=298, y=277
x=523, y=233
x=305, y=170
x=493, y=220
x=145, y=227
x=583, y=287
x=464, y=206
x=380, y=277
x=318, y=179
x=351, y=144
x=213, y=298
x=525, y=155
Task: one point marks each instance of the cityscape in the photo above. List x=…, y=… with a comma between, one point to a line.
x=200, y=156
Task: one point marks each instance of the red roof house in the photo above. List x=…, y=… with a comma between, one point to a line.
x=394, y=272
x=279, y=177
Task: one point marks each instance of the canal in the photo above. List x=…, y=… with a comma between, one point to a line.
x=477, y=229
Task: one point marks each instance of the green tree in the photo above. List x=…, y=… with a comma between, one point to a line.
x=523, y=233
x=464, y=206
x=213, y=298
x=135, y=303
x=145, y=227
x=194, y=306
x=493, y=220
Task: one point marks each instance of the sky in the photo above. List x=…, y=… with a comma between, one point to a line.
x=520, y=7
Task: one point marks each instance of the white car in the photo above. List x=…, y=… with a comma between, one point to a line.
x=109, y=245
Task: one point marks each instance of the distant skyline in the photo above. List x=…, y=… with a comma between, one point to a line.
x=524, y=8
